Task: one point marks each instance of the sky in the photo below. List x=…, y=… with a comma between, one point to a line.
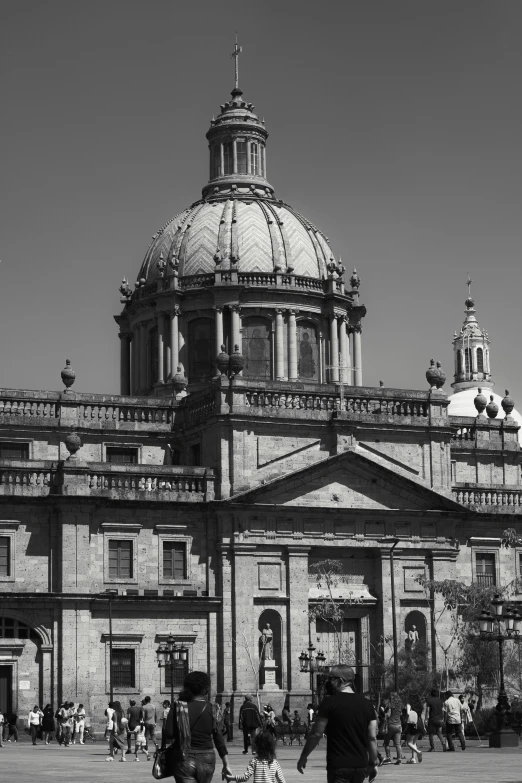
x=395, y=127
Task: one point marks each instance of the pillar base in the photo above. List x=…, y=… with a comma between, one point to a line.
x=505, y=738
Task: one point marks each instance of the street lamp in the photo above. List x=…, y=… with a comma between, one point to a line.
x=501, y=625
x=171, y=655
x=110, y=594
x=308, y=663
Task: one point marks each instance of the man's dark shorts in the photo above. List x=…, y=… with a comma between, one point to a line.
x=346, y=775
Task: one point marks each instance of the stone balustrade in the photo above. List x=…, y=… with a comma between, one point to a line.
x=128, y=482
x=500, y=499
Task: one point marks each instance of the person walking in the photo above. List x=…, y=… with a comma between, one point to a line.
x=393, y=709
x=109, y=725
x=2, y=727
x=453, y=720
x=164, y=716
x=33, y=722
x=465, y=713
x=67, y=713
x=48, y=723
x=435, y=715
x=117, y=732
x=193, y=724
x=249, y=721
x=79, y=724
x=414, y=727
x=149, y=719
x=141, y=741
x=58, y=717
x=227, y=722
x=264, y=767
x=12, y=723
x=350, y=724
x=135, y=718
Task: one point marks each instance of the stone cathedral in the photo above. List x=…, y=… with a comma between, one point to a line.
x=243, y=448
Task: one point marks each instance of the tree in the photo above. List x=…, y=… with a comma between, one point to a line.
x=250, y=646
x=329, y=574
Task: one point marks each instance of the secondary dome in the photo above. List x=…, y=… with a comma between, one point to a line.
x=241, y=231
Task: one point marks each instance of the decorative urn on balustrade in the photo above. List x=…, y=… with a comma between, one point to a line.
x=73, y=443
x=480, y=403
x=179, y=382
x=508, y=403
x=68, y=375
x=435, y=376
x=492, y=408
x=222, y=361
x=237, y=361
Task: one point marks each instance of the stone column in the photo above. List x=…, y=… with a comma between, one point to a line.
x=219, y=331
x=134, y=355
x=334, y=351
x=125, y=363
x=297, y=641
x=181, y=343
x=161, y=348
x=222, y=159
x=46, y=673
x=234, y=156
x=143, y=358
x=357, y=355
x=174, y=341
x=292, y=346
x=249, y=145
x=280, y=359
x=236, y=326
x=345, y=374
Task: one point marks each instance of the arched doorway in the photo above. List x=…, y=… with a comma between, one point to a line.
x=22, y=668
x=270, y=620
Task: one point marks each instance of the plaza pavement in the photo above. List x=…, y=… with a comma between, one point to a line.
x=23, y=763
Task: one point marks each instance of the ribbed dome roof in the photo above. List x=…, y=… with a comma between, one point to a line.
x=249, y=234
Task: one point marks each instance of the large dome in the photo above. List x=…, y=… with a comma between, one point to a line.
x=243, y=231
x=461, y=404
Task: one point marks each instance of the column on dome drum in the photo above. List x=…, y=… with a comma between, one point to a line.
x=334, y=351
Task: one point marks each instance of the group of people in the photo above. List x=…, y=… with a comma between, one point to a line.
x=442, y=711
x=68, y=723
x=137, y=723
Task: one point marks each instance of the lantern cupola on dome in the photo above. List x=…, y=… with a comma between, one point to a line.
x=471, y=351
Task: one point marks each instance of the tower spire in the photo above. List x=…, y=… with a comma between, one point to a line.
x=471, y=350
x=235, y=54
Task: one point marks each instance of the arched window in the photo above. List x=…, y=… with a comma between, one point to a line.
x=241, y=152
x=307, y=351
x=257, y=348
x=153, y=355
x=459, y=363
x=262, y=161
x=15, y=629
x=480, y=360
x=200, y=349
x=254, y=160
x=467, y=360
x=215, y=161
x=228, y=157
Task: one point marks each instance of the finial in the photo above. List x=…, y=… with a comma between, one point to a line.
x=435, y=376
x=508, y=403
x=492, y=408
x=480, y=402
x=470, y=302
x=68, y=375
x=355, y=280
x=125, y=290
x=237, y=51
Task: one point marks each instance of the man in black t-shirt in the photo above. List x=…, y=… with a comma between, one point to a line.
x=434, y=706
x=351, y=739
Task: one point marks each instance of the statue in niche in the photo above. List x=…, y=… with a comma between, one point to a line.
x=267, y=641
x=412, y=637
x=306, y=359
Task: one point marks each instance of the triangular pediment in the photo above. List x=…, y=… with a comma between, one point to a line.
x=353, y=479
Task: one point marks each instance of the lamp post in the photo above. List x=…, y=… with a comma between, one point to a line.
x=312, y=665
x=394, y=541
x=502, y=624
x=109, y=594
x=171, y=656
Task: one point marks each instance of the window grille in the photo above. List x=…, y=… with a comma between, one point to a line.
x=254, y=159
x=485, y=569
x=123, y=668
x=174, y=560
x=5, y=556
x=122, y=456
x=120, y=559
x=14, y=629
x=14, y=450
x=179, y=671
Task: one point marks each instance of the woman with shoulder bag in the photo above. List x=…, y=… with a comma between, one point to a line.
x=414, y=727
x=117, y=736
x=194, y=729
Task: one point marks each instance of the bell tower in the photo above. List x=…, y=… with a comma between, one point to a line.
x=471, y=351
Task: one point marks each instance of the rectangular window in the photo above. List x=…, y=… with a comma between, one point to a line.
x=5, y=556
x=123, y=668
x=179, y=671
x=14, y=450
x=120, y=559
x=228, y=157
x=253, y=159
x=122, y=455
x=485, y=567
x=174, y=560
x=241, y=149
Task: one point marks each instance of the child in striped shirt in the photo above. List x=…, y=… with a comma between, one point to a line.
x=264, y=767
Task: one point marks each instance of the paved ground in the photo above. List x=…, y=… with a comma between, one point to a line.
x=24, y=763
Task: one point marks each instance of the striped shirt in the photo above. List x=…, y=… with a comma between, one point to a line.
x=263, y=772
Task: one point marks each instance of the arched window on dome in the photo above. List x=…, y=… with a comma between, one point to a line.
x=241, y=153
x=254, y=158
x=262, y=160
x=459, y=363
x=200, y=349
x=480, y=360
x=307, y=351
x=467, y=361
x=215, y=161
x=228, y=157
x=257, y=348
x=153, y=356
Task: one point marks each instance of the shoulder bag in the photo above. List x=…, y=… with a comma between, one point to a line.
x=164, y=758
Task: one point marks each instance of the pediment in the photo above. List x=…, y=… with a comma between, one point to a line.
x=352, y=479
